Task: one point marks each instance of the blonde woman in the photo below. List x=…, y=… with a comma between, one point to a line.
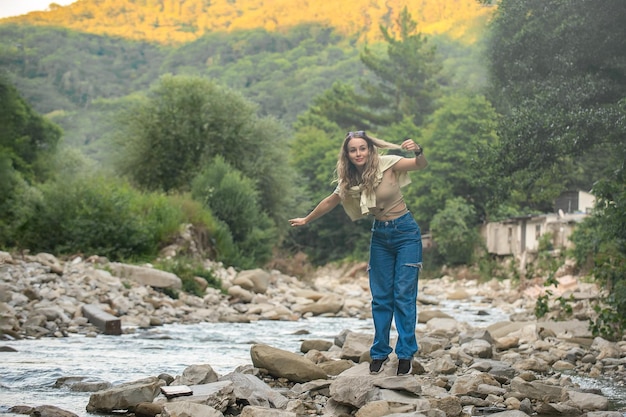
x=370, y=184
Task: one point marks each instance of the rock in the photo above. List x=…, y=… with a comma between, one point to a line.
x=355, y=386
x=563, y=366
x=443, y=327
x=584, y=401
x=443, y=365
x=125, y=396
x=607, y=349
x=189, y=409
x=217, y=395
x=7, y=349
x=428, y=344
x=356, y=345
x=282, y=364
x=148, y=409
x=457, y=294
x=330, y=303
x=374, y=408
x=424, y=316
x=255, y=411
x=459, y=370
x=315, y=344
x=44, y=411
x=450, y=405
x=510, y=413
x=466, y=384
x=537, y=390
x=399, y=383
x=255, y=280
x=478, y=348
x=255, y=391
x=336, y=367
x=196, y=375
x=146, y=276
x=240, y=293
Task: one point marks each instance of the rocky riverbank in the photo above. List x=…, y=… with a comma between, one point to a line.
x=518, y=366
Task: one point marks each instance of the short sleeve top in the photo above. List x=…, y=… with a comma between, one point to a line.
x=358, y=203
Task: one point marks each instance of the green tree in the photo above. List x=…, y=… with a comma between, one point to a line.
x=558, y=72
x=18, y=202
x=184, y=122
x=181, y=122
x=27, y=138
x=406, y=82
x=455, y=142
x=600, y=248
x=28, y=143
x=454, y=232
x=341, y=105
x=168, y=137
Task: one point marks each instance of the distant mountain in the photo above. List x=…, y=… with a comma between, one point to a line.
x=180, y=21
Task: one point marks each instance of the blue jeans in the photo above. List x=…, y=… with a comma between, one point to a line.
x=394, y=266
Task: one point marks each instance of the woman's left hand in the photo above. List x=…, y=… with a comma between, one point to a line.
x=410, y=145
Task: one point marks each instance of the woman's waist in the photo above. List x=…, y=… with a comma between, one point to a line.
x=394, y=218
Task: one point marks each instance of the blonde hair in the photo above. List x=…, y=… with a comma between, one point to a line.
x=347, y=174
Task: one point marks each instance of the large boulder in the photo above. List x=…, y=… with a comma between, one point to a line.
x=125, y=396
x=283, y=364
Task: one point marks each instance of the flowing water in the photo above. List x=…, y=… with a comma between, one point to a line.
x=27, y=377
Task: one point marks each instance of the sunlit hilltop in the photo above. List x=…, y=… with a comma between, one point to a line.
x=179, y=21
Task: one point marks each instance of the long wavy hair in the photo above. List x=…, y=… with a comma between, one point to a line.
x=347, y=174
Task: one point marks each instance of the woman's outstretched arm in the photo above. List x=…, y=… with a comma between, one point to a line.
x=322, y=208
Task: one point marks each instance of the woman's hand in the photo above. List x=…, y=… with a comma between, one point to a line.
x=408, y=163
x=300, y=221
x=411, y=146
x=322, y=208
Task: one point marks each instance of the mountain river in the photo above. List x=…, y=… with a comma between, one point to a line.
x=27, y=377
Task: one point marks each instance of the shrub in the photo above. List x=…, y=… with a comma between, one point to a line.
x=454, y=232
x=18, y=200
x=232, y=198
x=92, y=216
x=187, y=270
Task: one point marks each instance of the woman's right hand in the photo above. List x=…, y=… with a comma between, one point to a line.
x=322, y=208
x=300, y=221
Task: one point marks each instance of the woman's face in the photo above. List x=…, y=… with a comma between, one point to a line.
x=358, y=152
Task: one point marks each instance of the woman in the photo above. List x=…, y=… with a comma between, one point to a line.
x=369, y=184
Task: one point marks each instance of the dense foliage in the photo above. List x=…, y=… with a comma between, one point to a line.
x=235, y=200
x=456, y=139
x=559, y=79
x=189, y=133
x=27, y=142
x=52, y=201
x=455, y=230
x=558, y=82
x=26, y=138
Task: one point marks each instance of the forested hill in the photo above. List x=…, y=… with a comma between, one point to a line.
x=179, y=21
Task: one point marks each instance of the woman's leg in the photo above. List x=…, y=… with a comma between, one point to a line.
x=408, y=243
x=381, y=266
